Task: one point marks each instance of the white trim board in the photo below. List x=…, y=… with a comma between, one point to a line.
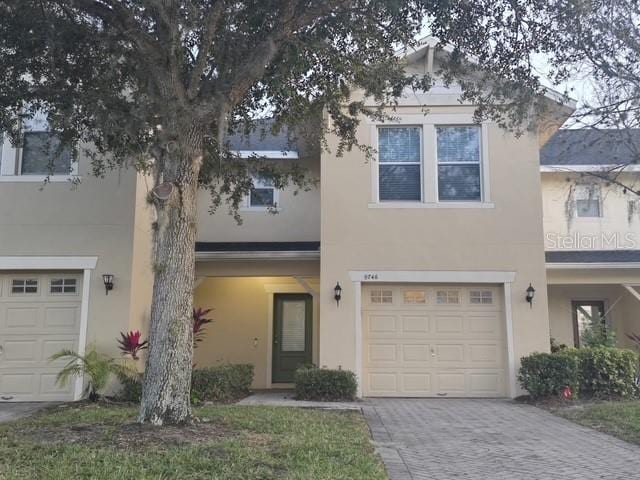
x=589, y=266
x=567, y=168
x=263, y=255
x=270, y=154
x=430, y=276
x=48, y=263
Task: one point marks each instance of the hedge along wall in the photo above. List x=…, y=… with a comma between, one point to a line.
x=591, y=372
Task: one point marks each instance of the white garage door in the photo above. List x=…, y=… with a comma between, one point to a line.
x=433, y=340
x=39, y=316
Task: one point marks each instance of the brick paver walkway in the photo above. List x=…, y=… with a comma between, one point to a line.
x=445, y=439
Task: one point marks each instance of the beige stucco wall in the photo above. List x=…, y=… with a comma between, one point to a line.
x=507, y=237
x=95, y=218
x=298, y=217
x=622, y=310
x=567, y=231
x=241, y=331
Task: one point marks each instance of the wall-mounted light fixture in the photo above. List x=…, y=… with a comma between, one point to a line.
x=337, y=293
x=107, y=279
x=530, y=294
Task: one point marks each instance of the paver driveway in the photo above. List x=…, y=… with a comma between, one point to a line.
x=491, y=440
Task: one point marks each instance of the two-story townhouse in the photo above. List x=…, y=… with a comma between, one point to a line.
x=592, y=232
x=411, y=268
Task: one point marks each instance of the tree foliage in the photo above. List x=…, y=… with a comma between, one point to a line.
x=158, y=85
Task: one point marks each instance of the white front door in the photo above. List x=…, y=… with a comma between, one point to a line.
x=425, y=340
x=39, y=316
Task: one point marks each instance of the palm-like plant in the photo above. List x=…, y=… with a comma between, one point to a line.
x=96, y=367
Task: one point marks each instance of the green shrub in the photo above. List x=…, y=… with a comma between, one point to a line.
x=131, y=390
x=607, y=372
x=224, y=383
x=547, y=374
x=325, y=385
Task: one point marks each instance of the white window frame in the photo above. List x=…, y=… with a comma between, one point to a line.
x=258, y=183
x=479, y=163
x=429, y=123
x=580, y=192
x=420, y=163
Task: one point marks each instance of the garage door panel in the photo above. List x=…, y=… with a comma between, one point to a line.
x=449, y=353
x=485, y=383
x=418, y=352
x=34, y=326
x=22, y=317
x=450, y=382
x=381, y=383
x=61, y=317
x=449, y=324
x=431, y=349
x=382, y=352
x=418, y=383
x=381, y=325
x=19, y=350
x=415, y=325
x=485, y=354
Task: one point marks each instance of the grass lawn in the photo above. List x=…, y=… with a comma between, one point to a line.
x=621, y=419
x=231, y=442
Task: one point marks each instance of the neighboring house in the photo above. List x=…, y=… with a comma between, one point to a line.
x=592, y=231
x=433, y=244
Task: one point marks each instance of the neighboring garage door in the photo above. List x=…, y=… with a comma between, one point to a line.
x=433, y=341
x=39, y=316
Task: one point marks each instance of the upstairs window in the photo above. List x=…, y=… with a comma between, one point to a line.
x=588, y=201
x=263, y=194
x=400, y=163
x=458, y=158
x=40, y=152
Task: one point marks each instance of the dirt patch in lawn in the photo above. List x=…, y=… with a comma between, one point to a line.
x=128, y=436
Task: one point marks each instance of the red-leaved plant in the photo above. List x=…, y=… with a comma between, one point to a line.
x=130, y=343
x=199, y=321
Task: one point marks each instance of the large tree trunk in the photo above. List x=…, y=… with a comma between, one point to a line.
x=167, y=378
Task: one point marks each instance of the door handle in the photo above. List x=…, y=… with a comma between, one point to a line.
x=433, y=352
x=1, y=349
x=7, y=397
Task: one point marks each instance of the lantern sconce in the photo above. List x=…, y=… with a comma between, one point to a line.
x=107, y=279
x=337, y=293
x=530, y=294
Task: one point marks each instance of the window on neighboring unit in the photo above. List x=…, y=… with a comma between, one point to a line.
x=43, y=155
x=447, y=297
x=24, y=285
x=587, y=314
x=400, y=164
x=63, y=285
x=415, y=296
x=263, y=194
x=381, y=296
x=458, y=157
x=588, y=201
x=481, y=297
